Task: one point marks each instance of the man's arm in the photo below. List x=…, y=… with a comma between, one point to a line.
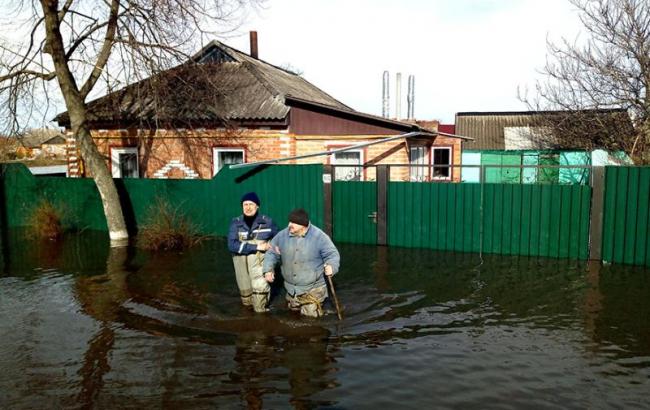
x=235, y=245
x=272, y=256
x=330, y=255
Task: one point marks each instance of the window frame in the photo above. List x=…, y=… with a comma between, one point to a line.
x=115, y=160
x=450, y=149
x=360, y=151
x=215, y=157
x=426, y=169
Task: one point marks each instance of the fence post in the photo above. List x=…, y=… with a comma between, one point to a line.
x=382, y=208
x=597, y=208
x=4, y=243
x=327, y=200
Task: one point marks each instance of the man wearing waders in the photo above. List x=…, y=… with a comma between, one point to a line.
x=248, y=239
x=306, y=254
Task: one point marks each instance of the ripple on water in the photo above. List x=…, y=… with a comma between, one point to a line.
x=421, y=330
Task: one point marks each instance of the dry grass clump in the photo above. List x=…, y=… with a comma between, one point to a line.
x=167, y=229
x=45, y=221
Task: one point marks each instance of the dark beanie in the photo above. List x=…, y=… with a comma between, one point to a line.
x=251, y=196
x=299, y=216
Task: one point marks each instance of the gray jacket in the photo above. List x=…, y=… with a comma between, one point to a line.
x=303, y=259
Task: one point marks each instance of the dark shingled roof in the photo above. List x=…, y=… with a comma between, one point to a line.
x=218, y=83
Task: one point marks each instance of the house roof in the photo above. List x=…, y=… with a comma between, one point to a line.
x=218, y=83
x=37, y=137
x=513, y=130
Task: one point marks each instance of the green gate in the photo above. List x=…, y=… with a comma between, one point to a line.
x=354, y=209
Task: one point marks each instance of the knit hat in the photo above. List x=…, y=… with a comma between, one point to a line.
x=299, y=216
x=251, y=196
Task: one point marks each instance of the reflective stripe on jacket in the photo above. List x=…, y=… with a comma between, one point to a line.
x=239, y=234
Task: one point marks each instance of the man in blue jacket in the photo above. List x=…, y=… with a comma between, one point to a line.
x=306, y=253
x=248, y=239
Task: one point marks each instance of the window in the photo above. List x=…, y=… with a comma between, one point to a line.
x=441, y=156
x=352, y=173
x=226, y=156
x=124, y=162
x=419, y=155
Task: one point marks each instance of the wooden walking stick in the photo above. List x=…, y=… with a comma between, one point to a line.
x=336, y=300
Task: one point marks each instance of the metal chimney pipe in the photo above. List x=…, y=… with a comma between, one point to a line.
x=398, y=96
x=410, y=97
x=385, y=96
x=253, y=37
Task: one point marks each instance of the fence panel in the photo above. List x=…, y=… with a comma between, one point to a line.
x=536, y=220
x=626, y=220
x=435, y=216
x=510, y=219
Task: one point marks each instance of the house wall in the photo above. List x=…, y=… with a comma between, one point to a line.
x=532, y=157
x=187, y=154
x=388, y=153
x=54, y=150
x=309, y=122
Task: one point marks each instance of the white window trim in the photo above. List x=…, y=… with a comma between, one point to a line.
x=424, y=170
x=115, y=160
x=359, y=166
x=215, y=157
x=433, y=169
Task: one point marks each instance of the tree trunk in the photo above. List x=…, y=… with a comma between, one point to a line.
x=644, y=142
x=105, y=185
x=77, y=109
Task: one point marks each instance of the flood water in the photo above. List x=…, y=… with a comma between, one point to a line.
x=83, y=326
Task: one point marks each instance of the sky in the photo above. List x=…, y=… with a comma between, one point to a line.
x=466, y=55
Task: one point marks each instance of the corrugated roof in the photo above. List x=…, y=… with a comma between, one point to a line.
x=487, y=129
x=515, y=130
x=219, y=83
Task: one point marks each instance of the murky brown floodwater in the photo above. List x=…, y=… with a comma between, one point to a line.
x=85, y=327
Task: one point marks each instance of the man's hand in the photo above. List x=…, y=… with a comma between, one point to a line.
x=328, y=270
x=269, y=276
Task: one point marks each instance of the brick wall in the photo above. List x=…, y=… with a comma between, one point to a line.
x=188, y=153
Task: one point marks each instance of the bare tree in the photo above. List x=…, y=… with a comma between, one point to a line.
x=610, y=69
x=82, y=43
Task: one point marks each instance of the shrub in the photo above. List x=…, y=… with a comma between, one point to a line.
x=167, y=228
x=45, y=221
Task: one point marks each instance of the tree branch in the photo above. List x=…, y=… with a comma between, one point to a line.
x=106, y=50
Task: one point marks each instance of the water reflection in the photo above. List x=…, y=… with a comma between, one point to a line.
x=94, y=326
x=101, y=297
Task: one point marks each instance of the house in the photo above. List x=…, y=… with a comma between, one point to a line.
x=226, y=107
x=525, y=138
x=41, y=143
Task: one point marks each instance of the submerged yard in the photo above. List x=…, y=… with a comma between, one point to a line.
x=83, y=325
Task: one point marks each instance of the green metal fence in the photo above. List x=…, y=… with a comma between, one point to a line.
x=533, y=220
x=210, y=204
x=514, y=219
x=626, y=220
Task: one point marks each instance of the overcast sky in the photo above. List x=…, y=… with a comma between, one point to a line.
x=466, y=55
